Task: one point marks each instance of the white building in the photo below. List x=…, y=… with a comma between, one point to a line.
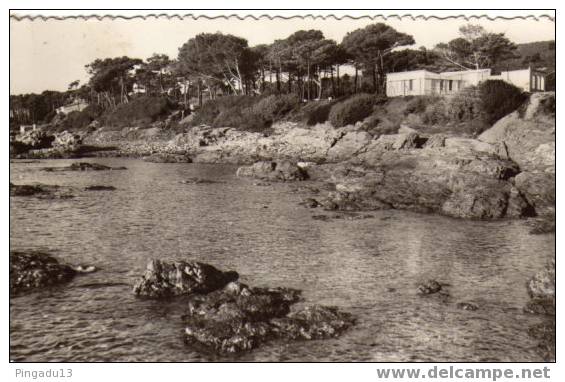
x=77, y=105
x=424, y=82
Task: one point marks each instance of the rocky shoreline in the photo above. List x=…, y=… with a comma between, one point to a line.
x=491, y=177
x=507, y=172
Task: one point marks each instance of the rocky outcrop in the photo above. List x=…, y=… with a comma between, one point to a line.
x=461, y=179
x=529, y=130
x=163, y=279
x=33, y=270
x=83, y=166
x=35, y=139
x=67, y=141
x=240, y=318
x=539, y=190
x=273, y=171
x=167, y=158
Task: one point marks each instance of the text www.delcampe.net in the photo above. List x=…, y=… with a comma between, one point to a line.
x=452, y=372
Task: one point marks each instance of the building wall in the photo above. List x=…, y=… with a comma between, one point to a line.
x=422, y=85
x=519, y=78
x=79, y=106
x=405, y=87
x=424, y=82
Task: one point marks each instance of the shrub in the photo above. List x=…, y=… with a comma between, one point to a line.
x=273, y=107
x=499, y=98
x=352, y=110
x=139, y=111
x=76, y=120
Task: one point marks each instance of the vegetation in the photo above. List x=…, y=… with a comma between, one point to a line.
x=352, y=110
x=140, y=111
x=233, y=84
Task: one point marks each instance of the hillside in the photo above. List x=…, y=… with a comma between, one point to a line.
x=540, y=54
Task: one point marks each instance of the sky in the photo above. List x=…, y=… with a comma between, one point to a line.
x=50, y=54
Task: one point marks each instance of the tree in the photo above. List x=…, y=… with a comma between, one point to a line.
x=370, y=45
x=112, y=76
x=476, y=48
x=156, y=67
x=411, y=59
x=215, y=59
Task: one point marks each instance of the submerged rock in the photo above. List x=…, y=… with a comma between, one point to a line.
x=467, y=306
x=429, y=287
x=32, y=270
x=542, y=225
x=40, y=191
x=163, y=279
x=544, y=333
x=273, y=171
x=541, y=289
x=240, y=318
x=167, y=158
x=199, y=181
x=84, y=166
x=99, y=188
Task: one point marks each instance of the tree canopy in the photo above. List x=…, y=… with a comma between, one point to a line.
x=476, y=48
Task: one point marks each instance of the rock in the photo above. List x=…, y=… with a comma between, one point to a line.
x=404, y=129
x=467, y=306
x=408, y=141
x=541, y=289
x=347, y=145
x=33, y=270
x=310, y=203
x=239, y=318
x=36, y=139
x=99, y=188
x=83, y=166
x=199, y=181
x=311, y=323
x=455, y=182
x=525, y=131
x=25, y=190
x=429, y=287
x=542, y=225
x=544, y=332
x=67, y=140
x=41, y=191
x=542, y=285
x=538, y=189
x=163, y=279
x=167, y=158
x=273, y=171
x=540, y=306
x=435, y=141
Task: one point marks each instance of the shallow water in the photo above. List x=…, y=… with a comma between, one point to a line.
x=368, y=267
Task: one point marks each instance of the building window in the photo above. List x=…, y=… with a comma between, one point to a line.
x=411, y=85
x=450, y=85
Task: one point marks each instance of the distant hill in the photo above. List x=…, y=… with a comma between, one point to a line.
x=539, y=54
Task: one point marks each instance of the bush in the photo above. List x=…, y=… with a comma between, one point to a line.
x=352, y=110
x=245, y=112
x=273, y=107
x=76, y=120
x=139, y=111
x=499, y=98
